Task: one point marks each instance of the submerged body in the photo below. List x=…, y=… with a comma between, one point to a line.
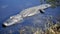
x=25, y=13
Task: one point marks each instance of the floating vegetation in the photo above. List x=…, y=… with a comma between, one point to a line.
x=39, y=27
x=30, y=30
x=55, y=29
x=40, y=24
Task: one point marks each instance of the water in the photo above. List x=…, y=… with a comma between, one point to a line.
x=13, y=7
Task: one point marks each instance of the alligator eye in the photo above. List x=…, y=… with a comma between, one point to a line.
x=46, y=5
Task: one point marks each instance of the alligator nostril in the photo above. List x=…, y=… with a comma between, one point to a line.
x=3, y=25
